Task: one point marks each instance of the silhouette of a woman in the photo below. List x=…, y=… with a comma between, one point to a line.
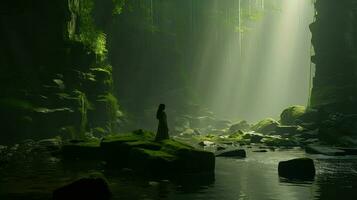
x=162, y=130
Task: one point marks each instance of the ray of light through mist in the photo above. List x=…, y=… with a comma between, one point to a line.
x=268, y=71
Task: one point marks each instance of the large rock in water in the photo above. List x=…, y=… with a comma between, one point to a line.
x=266, y=126
x=139, y=151
x=291, y=115
x=300, y=169
x=85, y=188
x=233, y=153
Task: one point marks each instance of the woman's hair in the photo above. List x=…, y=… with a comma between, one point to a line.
x=159, y=111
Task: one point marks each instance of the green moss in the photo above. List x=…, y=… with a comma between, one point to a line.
x=118, y=6
x=84, y=106
x=278, y=141
x=153, y=154
x=291, y=114
x=266, y=126
x=130, y=137
x=88, y=34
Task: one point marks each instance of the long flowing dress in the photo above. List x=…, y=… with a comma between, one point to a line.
x=162, y=130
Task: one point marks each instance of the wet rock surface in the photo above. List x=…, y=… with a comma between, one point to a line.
x=85, y=188
x=233, y=153
x=139, y=151
x=300, y=169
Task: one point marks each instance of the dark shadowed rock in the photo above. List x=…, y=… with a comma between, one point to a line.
x=233, y=153
x=300, y=169
x=85, y=188
x=50, y=144
x=260, y=151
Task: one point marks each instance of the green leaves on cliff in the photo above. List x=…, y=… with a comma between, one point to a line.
x=118, y=6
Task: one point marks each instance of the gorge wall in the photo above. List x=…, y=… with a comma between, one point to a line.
x=335, y=43
x=55, y=78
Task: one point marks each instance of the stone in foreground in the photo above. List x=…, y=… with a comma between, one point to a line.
x=85, y=188
x=297, y=169
x=139, y=151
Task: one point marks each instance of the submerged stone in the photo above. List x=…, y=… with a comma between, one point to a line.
x=233, y=153
x=300, y=169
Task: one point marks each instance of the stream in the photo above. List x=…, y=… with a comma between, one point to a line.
x=255, y=177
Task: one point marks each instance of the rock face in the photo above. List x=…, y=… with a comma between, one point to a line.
x=300, y=169
x=85, y=188
x=334, y=41
x=58, y=72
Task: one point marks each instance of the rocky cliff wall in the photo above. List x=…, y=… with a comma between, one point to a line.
x=335, y=43
x=55, y=78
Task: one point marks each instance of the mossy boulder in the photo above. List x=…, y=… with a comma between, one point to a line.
x=266, y=126
x=277, y=141
x=292, y=115
x=139, y=151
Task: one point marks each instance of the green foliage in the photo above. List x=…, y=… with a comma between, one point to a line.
x=118, y=6
x=83, y=109
x=88, y=34
x=112, y=104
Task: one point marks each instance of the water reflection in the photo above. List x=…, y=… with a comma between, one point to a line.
x=255, y=177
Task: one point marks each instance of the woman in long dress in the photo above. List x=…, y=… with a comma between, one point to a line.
x=162, y=130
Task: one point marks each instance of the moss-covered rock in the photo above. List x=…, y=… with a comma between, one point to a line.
x=139, y=151
x=278, y=141
x=291, y=115
x=82, y=150
x=266, y=126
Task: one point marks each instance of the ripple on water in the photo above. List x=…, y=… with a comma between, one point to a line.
x=255, y=177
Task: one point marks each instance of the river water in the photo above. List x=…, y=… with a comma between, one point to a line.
x=253, y=178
